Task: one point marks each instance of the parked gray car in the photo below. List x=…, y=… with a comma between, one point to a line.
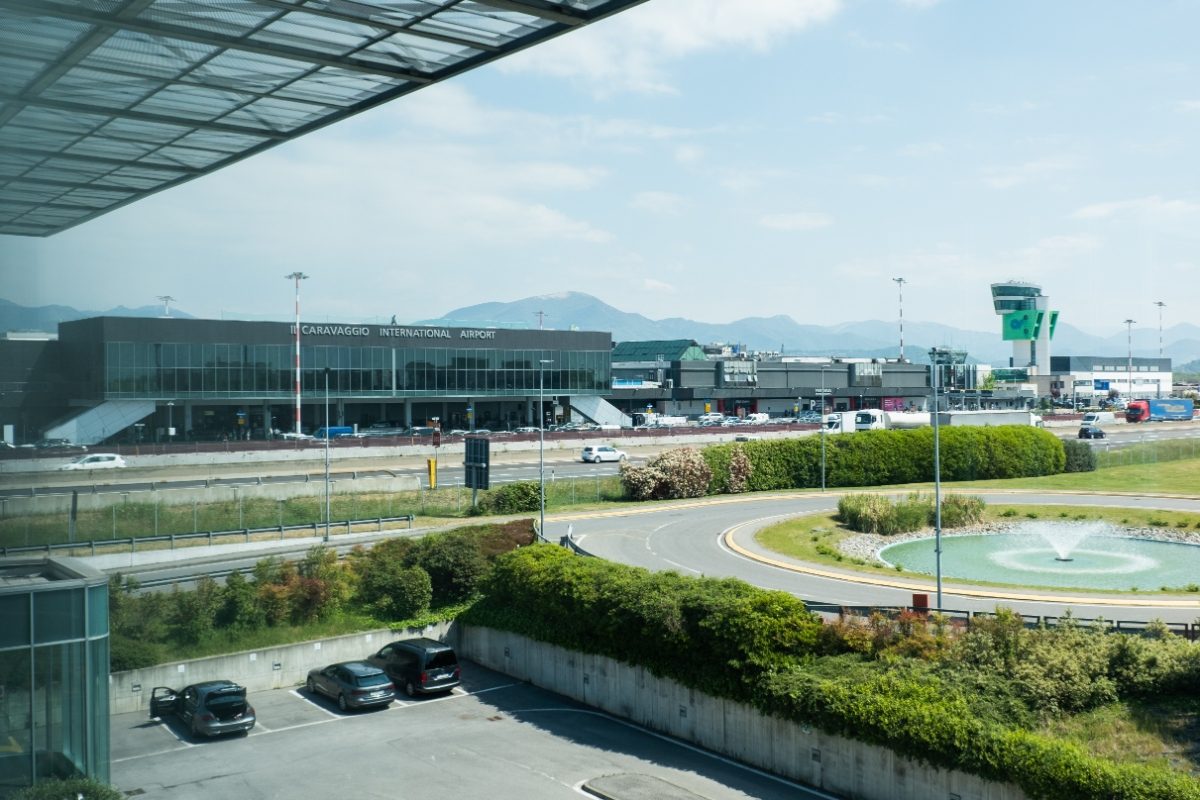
x=354, y=684
x=208, y=709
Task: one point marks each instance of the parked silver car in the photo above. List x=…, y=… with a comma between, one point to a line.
x=208, y=709
x=354, y=684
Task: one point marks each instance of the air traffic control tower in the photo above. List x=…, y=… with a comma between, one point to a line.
x=1028, y=323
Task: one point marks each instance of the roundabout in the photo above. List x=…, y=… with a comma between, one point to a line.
x=715, y=537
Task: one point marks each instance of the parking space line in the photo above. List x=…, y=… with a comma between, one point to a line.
x=312, y=701
x=144, y=755
x=167, y=727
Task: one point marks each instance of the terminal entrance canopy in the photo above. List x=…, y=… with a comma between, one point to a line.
x=103, y=102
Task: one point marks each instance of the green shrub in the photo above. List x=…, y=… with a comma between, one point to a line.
x=960, y=510
x=1080, y=457
x=673, y=474
x=453, y=562
x=513, y=498
x=125, y=653
x=68, y=789
x=877, y=458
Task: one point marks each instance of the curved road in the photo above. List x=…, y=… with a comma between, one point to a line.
x=715, y=537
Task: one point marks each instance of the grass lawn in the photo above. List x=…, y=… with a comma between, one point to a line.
x=1169, y=477
x=1161, y=733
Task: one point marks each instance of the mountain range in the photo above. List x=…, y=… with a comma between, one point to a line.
x=781, y=332
x=579, y=311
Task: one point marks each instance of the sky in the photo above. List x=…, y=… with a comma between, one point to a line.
x=713, y=160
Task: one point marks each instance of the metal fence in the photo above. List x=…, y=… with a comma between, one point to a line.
x=92, y=547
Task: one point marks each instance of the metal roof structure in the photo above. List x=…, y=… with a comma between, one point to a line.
x=103, y=102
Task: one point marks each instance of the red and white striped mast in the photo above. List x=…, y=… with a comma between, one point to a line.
x=297, y=277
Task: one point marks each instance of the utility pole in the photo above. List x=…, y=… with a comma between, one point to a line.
x=166, y=300
x=541, y=315
x=297, y=277
x=900, y=285
x=1161, y=305
x=1129, y=331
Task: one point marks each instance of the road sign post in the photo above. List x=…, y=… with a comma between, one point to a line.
x=476, y=463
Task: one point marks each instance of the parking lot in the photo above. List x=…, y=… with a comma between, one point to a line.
x=489, y=738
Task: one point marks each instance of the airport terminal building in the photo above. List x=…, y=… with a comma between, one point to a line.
x=211, y=379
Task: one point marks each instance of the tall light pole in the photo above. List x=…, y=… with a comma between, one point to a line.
x=297, y=277
x=166, y=300
x=1129, y=366
x=900, y=285
x=822, y=428
x=541, y=447
x=937, y=477
x=327, y=438
x=1158, y=383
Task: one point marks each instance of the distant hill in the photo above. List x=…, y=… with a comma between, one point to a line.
x=14, y=317
x=865, y=338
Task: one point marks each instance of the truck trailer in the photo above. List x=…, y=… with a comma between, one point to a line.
x=1013, y=417
x=839, y=422
x=1160, y=410
x=873, y=419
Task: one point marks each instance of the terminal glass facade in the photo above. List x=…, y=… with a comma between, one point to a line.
x=200, y=370
x=54, y=664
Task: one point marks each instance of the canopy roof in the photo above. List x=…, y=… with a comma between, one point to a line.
x=103, y=102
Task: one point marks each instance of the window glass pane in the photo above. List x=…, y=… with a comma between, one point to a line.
x=97, y=709
x=97, y=610
x=58, y=615
x=60, y=713
x=14, y=610
x=16, y=706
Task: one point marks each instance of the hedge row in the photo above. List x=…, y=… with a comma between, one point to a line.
x=878, y=458
x=718, y=635
x=729, y=639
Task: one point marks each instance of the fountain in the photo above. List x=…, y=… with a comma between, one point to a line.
x=1083, y=555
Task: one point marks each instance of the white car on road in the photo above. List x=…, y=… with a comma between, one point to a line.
x=597, y=453
x=95, y=461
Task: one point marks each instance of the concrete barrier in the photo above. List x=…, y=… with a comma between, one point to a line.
x=61, y=503
x=257, y=670
x=782, y=747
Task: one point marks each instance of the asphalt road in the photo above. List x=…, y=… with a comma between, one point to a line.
x=492, y=739
x=689, y=538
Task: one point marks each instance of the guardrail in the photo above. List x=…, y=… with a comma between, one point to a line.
x=346, y=526
x=1188, y=630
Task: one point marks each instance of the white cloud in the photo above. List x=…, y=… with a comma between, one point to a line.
x=1030, y=171
x=922, y=149
x=688, y=153
x=798, y=221
x=652, y=285
x=920, y=5
x=629, y=52
x=1004, y=109
x=1188, y=106
x=1061, y=247
x=1153, y=206
x=825, y=118
x=859, y=40
x=657, y=202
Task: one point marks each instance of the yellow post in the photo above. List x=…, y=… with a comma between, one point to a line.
x=432, y=462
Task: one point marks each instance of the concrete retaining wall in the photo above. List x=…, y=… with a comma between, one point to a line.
x=833, y=763
x=61, y=503
x=257, y=670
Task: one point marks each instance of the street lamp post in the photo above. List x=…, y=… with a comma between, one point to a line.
x=297, y=277
x=1129, y=366
x=900, y=285
x=327, y=437
x=1161, y=305
x=541, y=447
x=937, y=477
x=823, y=429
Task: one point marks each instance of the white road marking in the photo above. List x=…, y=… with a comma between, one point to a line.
x=312, y=701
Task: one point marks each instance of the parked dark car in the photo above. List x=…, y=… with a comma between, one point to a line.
x=354, y=684
x=208, y=709
x=1091, y=432
x=419, y=666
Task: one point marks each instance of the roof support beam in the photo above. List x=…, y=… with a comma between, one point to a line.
x=535, y=9
x=143, y=116
x=373, y=22
x=217, y=40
